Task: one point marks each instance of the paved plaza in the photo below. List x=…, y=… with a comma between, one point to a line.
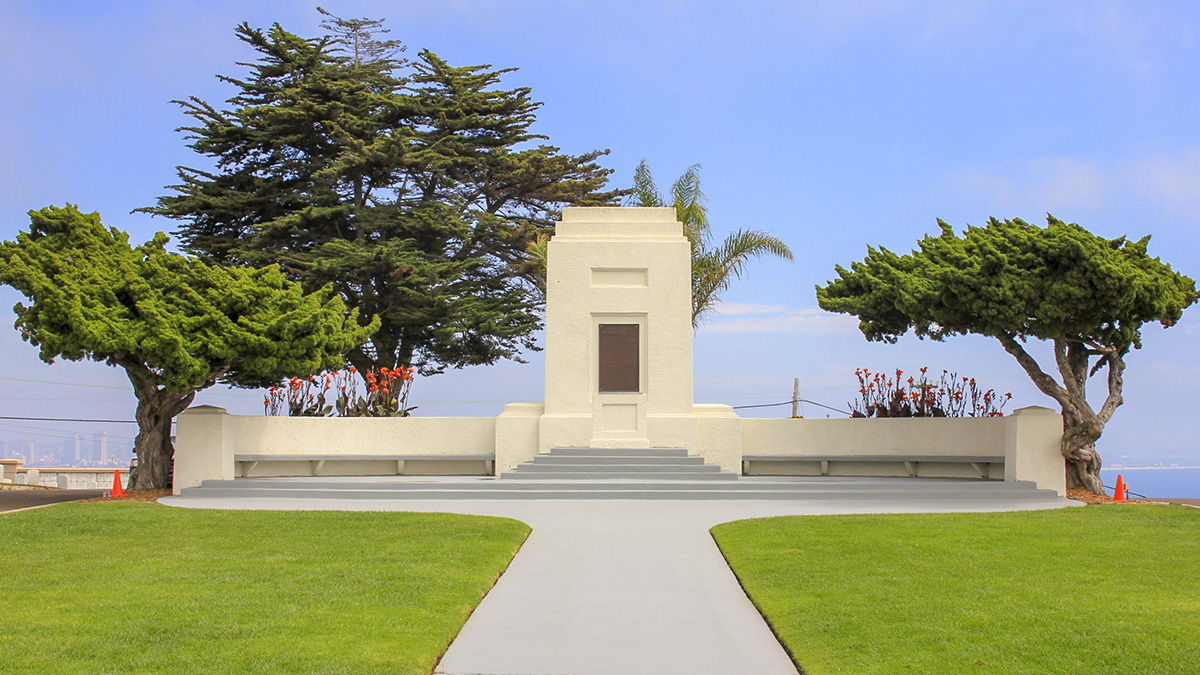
x=620, y=586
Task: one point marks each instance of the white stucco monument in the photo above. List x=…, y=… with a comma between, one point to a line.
x=618, y=375
x=618, y=331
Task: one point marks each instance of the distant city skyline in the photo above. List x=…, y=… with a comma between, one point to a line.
x=81, y=450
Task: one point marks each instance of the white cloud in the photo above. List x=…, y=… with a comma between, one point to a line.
x=1045, y=184
x=1067, y=183
x=1168, y=184
x=776, y=319
x=731, y=308
x=1122, y=31
x=1172, y=182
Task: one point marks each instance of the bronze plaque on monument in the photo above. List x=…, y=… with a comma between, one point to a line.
x=619, y=357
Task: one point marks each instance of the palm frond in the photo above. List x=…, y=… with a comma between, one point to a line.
x=691, y=206
x=645, y=192
x=713, y=270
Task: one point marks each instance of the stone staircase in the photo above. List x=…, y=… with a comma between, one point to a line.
x=644, y=464
x=644, y=474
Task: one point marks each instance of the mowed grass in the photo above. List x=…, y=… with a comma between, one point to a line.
x=1112, y=589
x=143, y=588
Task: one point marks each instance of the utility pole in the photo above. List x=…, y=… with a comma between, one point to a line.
x=796, y=397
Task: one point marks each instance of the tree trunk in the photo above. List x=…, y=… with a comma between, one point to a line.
x=1079, y=449
x=1082, y=426
x=156, y=409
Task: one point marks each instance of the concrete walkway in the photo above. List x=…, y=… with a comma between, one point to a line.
x=16, y=500
x=635, y=587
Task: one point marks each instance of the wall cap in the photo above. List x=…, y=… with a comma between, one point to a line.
x=523, y=409
x=1034, y=410
x=618, y=214
x=713, y=410
x=205, y=410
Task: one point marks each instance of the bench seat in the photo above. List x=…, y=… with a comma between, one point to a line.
x=318, y=461
x=980, y=462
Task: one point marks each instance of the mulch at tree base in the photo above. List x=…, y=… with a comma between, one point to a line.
x=1082, y=495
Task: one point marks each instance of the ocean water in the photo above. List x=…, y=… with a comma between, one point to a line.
x=1156, y=481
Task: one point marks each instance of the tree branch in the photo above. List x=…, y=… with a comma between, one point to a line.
x=1044, y=382
x=1116, y=381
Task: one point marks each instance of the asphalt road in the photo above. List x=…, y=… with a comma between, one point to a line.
x=11, y=500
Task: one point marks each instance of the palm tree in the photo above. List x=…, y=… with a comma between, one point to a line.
x=713, y=269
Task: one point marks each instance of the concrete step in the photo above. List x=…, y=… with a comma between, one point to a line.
x=838, y=484
x=634, y=474
x=621, y=463
x=564, y=460
x=623, y=467
x=862, y=493
x=617, y=452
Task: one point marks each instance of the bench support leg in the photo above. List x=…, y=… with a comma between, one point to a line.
x=824, y=468
x=981, y=468
x=399, y=467
x=317, y=466
x=912, y=468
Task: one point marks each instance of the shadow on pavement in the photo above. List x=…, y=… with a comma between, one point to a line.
x=11, y=500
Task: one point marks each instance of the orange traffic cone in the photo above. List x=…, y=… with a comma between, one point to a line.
x=1119, y=492
x=117, y=490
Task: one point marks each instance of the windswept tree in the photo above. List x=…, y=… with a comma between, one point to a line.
x=1012, y=281
x=713, y=269
x=414, y=188
x=175, y=324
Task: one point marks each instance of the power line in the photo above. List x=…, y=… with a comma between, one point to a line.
x=24, y=431
x=59, y=398
x=64, y=419
x=113, y=386
x=789, y=402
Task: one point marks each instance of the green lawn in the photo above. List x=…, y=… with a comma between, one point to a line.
x=1112, y=589
x=143, y=588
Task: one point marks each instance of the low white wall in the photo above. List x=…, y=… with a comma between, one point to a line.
x=208, y=439
x=82, y=479
x=69, y=478
x=940, y=436
x=518, y=433
x=720, y=436
x=1028, y=440
x=361, y=435
x=1033, y=448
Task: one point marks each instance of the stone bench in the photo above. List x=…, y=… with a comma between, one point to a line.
x=248, y=462
x=979, y=462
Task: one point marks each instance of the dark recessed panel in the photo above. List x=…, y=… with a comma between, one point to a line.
x=619, y=351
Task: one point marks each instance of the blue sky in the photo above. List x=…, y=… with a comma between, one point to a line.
x=834, y=125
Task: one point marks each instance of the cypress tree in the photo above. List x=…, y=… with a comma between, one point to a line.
x=415, y=189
